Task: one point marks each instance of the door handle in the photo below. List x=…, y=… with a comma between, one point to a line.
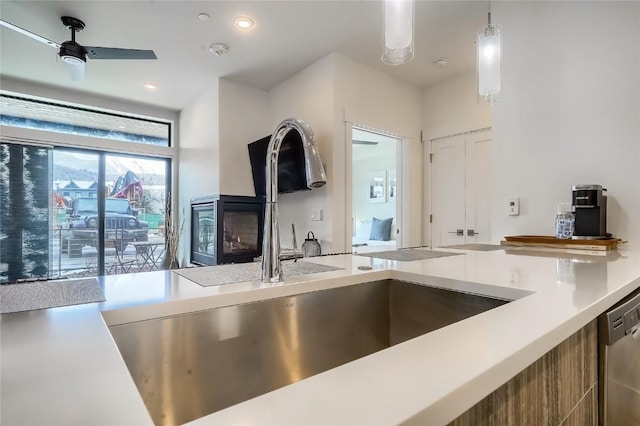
x=459, y=232
x=472, y=233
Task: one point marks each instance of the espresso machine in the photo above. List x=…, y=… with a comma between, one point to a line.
x=590, y=208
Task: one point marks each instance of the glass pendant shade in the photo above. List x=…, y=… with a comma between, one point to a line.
x=489, y=58
x=398, y=31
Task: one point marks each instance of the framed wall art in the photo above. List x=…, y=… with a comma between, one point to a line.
x=378, y=187
x=392, y=187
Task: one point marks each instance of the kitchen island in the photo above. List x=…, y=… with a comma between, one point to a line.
x=61, y=365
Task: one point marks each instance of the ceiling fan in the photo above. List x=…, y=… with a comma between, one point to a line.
x=75, y=55
x=359, y=142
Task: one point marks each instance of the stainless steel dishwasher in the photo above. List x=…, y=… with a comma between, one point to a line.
x=619, y=352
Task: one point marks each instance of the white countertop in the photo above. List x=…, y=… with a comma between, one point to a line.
x=61, y=365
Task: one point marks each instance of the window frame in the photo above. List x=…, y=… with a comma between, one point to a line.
x=100, y=146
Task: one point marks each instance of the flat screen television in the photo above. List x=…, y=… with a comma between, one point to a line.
x=291, y=173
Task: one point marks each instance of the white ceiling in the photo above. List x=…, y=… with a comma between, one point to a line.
x=287, y=37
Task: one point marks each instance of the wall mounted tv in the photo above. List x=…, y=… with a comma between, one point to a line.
x=291, y=173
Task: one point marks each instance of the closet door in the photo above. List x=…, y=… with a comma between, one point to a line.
x=461, y=189
x=448, y=191
x=478, y=188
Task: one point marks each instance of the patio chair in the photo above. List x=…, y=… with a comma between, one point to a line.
x=120, y=265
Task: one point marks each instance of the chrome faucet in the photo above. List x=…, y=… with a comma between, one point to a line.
x=316, y=177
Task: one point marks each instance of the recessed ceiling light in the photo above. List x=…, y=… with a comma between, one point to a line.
x=203, y=16
x=150, y=86
x=243, y=22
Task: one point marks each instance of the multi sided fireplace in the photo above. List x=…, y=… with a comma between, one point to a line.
x=226, y=229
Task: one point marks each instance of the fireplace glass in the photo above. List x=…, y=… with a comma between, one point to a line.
x=204, y=219
x=226, y=229
x=240, y=232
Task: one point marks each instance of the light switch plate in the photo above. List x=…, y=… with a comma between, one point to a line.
x=316, y=215
x=513, y=207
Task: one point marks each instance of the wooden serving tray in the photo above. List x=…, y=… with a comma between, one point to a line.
x=546, y=241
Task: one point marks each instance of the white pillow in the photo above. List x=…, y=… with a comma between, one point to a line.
x=363, y=229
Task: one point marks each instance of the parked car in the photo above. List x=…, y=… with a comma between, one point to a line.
x=121, y=224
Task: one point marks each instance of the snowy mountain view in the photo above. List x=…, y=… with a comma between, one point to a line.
x=82, y=169
x=69, y=165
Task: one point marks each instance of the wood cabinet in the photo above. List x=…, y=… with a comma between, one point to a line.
x=560, y=388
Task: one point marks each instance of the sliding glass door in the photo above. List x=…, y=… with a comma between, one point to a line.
x=134, y=206
x=113, y=219
x=75, y=185
x=69, y=213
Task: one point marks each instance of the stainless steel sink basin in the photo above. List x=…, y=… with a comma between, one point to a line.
x=191, y=365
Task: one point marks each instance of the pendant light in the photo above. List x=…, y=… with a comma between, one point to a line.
x=489, y=55
x=398, y=31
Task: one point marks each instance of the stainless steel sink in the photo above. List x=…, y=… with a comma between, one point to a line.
x=191, y=365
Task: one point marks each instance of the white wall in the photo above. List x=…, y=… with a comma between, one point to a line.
x=244, y=118
x=569, y=112
x=376, y=100
x=198, y=156
x=309, y=95
x=327, y=94
x=450, y=107
x=215, y=129
x=370, y=97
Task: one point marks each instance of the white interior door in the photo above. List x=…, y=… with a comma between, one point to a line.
x=461, y=189
x=478, y=188
x=448, y=191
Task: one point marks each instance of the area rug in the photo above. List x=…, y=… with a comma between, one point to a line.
x=408, y=255
x=29, y=296
x=240, y=272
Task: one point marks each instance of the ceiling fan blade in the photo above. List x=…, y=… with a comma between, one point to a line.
x=29, y=34
x=357, y=142
x=94, y=52
x=76, y=70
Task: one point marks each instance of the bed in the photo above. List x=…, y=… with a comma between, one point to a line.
x=362, y=240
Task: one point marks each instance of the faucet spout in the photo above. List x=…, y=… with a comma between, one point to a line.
x=316, y=177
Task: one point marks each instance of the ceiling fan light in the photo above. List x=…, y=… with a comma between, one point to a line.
x=72, y=60
x=75, y=67
x=398, y=31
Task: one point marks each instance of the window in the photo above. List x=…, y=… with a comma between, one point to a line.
x=55, y=197
x=53, y=117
